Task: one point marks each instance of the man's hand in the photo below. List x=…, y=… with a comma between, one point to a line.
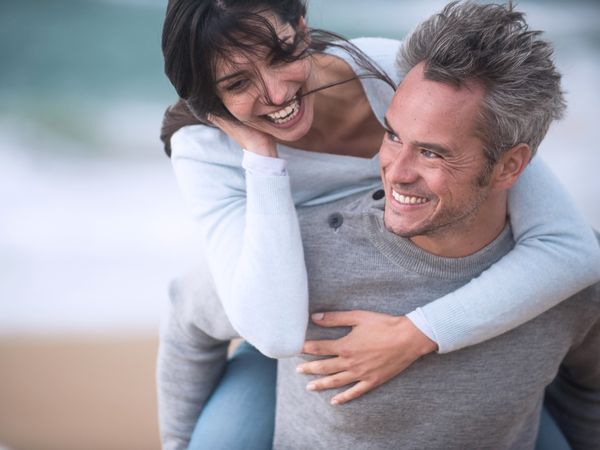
x=377, y=349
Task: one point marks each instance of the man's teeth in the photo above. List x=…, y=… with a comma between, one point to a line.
x=286, y=114
x=408, y=199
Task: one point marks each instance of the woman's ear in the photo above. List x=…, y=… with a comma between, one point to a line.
x=303, y=28
x=302, y=24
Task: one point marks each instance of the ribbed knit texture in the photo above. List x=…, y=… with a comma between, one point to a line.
x=482, y=397
x=556, y=254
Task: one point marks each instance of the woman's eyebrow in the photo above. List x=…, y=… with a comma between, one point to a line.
x=229, y=76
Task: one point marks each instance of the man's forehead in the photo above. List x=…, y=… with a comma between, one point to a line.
x=436, y=113
x=436, y=101
x=417, y=80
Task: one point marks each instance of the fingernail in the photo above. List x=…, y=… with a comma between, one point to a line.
x=318, y=316
x=311, y=387
x=335, y=401
x=300, y=369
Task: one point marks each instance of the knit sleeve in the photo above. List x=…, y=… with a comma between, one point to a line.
x=252, y=239
x=555, y=256
x=573, y=398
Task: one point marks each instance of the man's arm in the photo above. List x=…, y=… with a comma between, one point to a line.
x=573, y=398
x=192, y=354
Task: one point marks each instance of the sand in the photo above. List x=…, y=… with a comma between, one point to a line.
x=78, y=392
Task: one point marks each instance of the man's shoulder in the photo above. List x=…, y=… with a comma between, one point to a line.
x=351, y=207
x=340, y=225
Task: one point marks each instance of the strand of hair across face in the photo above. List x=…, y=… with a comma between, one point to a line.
x=327, y=86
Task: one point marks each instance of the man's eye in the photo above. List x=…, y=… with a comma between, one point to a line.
x=392, y=137
x=237, y=85
x=429, y=154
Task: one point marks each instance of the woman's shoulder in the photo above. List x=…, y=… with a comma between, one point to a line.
x=383, y=51
x=205, y=143
x=377, y=45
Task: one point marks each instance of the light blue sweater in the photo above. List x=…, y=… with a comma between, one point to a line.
x=252, y=241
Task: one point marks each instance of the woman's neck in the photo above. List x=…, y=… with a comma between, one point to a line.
x=343, y=121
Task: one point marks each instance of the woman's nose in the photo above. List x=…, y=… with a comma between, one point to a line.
x=276, y=90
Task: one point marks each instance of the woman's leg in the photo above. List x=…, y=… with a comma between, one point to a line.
x=549, y=435
x=240, y=413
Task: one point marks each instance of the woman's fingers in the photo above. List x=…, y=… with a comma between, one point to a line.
x=331, y=382
x=337, y=318
x=360, y=388
x=246, y=136
x=323, y=366
x=322, y=348
x=378, y=348
x=342, y=379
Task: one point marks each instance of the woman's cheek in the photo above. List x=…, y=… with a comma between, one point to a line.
x=241, y=109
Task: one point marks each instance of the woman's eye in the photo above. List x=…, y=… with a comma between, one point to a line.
x=429, y=154
x=237, y=85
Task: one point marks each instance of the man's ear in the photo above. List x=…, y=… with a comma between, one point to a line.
x=510, y=166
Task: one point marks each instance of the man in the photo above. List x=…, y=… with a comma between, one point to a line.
x=447, y=161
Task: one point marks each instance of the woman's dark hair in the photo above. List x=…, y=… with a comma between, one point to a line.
x=197, y=33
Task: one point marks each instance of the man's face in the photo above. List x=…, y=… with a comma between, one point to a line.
x=432, y=164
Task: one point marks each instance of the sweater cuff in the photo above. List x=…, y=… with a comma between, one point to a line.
x=420, y=321
x=449, y=324
x=263, y=165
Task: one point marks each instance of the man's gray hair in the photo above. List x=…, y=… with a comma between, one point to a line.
x=491, y=45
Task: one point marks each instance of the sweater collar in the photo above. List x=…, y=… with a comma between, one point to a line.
x=403, y=252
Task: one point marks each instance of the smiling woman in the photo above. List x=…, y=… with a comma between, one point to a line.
x=260, y=67
x=280, y=116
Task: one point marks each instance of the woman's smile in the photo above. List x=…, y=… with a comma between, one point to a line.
x=289, y=115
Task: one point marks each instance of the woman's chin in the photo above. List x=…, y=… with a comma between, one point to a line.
x=290, y=135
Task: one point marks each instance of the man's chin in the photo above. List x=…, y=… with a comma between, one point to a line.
x=403, y=230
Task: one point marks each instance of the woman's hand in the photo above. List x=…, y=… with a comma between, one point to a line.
x=377, y=349
x=247, y=137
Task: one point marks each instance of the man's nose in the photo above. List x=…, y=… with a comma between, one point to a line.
x=403, y=169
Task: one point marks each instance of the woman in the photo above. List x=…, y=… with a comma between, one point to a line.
x=275, y=89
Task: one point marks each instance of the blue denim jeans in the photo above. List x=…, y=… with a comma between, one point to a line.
x=240, y=414
x=549, y=436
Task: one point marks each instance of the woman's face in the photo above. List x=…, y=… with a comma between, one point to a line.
x=246, y=83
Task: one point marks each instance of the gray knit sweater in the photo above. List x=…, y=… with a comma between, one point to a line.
x=484, y=397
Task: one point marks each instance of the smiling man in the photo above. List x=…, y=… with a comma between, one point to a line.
x=442, y=192
x=478, y=94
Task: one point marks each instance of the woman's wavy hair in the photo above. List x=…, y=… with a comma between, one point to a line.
x=197, y=33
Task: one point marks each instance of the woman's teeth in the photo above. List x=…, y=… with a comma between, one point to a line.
x=285, y=114
x=408, y=199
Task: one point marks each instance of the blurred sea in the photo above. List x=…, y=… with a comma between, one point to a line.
x=92, y=227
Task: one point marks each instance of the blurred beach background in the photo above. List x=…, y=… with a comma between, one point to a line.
x=92, y=226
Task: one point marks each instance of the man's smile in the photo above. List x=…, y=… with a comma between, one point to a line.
x=408, y=199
